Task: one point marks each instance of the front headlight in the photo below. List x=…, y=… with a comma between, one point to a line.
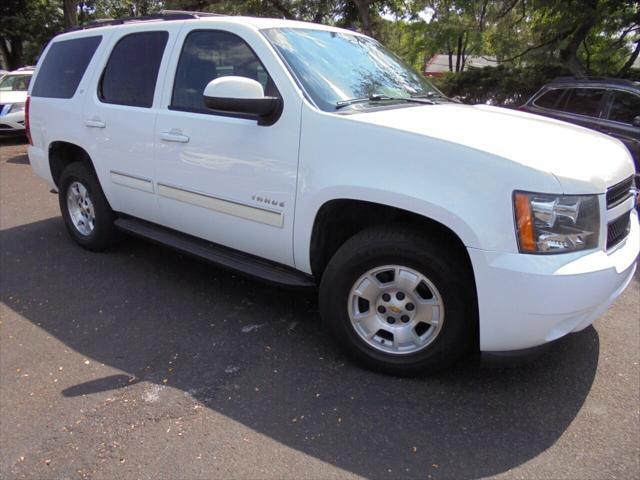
x=556, y=223
x=16, y=107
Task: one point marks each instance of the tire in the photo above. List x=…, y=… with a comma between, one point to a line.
x=441, y=326
x=96, y=235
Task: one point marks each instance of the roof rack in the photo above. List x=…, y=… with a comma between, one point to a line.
x=163, y=15
x=610, y=80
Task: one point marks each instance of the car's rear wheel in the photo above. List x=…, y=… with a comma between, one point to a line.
x=85, y=210
x=399, y=301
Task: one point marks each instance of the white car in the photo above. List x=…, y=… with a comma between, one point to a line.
x=13, y=95
x=309, y=155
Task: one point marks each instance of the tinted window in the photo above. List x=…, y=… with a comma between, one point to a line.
x=549, y=99
x=625, y=107
x=585, y=101
x=207, y=55
x=63, y=67
x=131, y=73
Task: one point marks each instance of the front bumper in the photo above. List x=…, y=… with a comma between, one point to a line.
x=530, y=300
x=12, y=123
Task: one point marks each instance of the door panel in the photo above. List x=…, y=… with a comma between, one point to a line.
x=582, y=106
x=119, y=118
x=221, y=177
x=622, y=109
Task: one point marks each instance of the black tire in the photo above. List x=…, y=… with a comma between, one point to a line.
x=103, y=234
x=429, y=255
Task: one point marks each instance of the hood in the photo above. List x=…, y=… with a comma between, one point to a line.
x=582, y=160
x=12, y=97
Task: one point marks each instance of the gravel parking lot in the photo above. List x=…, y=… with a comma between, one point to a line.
x=142, y=363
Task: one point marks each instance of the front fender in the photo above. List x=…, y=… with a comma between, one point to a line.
x=466, y=189
x=307, y=211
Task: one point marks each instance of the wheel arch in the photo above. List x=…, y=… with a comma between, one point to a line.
x=62, y=153
x=338, y=219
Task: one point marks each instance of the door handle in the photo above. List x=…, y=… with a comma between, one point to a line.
x=174, y=136
x=95, y=123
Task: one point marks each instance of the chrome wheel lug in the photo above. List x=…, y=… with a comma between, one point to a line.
x=405, y=318
x=381, y=309
x=386, y=297
x=400, y=296
x=391, y=320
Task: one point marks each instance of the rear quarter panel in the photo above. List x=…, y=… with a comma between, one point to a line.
x=61, y=119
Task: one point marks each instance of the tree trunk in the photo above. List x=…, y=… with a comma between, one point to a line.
x=458, y=53
x=365, y=16
x=627, y=66
x=321, y=12
x=425, y=63
x=70, y=9
x=463, y=63
x=569, y=53
x=11, y=49
x=286, y=13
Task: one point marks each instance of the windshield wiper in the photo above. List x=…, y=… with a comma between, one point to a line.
x=427, y=95
x=376, y=97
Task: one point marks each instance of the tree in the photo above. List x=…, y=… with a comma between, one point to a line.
x=25, y=28
x=70, y=9
x=586, y=37
x=579, y=34
x=10, y=32
x=364, y=12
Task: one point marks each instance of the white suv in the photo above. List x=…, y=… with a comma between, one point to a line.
x=309, y=155
x=13, y=96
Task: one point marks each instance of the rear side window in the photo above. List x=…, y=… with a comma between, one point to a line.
x=585, y=101
x=63, y=67
x=625, y=107
x=549, y=99
x=131, y=73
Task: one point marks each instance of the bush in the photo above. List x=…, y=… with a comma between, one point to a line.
x=634, y=74
x=501, y=85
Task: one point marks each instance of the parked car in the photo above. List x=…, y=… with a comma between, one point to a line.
x=309, y=155
x=608, y=105
x=13, y=95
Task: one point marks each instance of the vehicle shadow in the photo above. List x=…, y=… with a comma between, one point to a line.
x=19, y=160
x=141, y=306
x=13, y=139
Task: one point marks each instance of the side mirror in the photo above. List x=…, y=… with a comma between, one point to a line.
x=244, y=96
x=636, y=121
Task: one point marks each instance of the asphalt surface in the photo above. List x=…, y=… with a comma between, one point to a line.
x=142, y=363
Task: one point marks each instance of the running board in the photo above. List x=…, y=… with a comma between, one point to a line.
x=217, y=254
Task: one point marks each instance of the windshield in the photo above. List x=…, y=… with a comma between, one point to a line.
x=335, y=67
x=15, y=83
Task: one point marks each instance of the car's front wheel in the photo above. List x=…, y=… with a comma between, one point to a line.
x=398, y=301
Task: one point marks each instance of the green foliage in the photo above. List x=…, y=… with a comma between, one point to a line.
x=502, y=85
x=593, y=37
x=93, y=9
x=25, y=28
x=407, y=39
x=532, y=39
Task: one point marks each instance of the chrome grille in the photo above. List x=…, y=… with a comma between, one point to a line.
x=619, y=192
x=618, y=230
